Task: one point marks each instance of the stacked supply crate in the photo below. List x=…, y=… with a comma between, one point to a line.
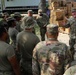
x=60, y=12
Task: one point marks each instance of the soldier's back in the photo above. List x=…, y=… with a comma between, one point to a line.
x=27, y=42
x=51, y=57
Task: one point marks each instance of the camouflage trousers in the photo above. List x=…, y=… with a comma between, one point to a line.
x=72, y=42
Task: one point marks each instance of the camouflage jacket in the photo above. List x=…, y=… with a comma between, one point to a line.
x=71, y=71
x=72, y=68
x=72, y=24
x=50, y=58
x=42, y=20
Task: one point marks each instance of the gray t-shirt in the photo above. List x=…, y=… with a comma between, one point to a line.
x=12, y=34
x=6, y=52
x=26, y=42
x=18, y=24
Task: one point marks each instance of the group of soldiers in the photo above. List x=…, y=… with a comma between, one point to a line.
x=22, y=52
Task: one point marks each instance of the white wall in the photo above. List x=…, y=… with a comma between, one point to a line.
x=21, y=3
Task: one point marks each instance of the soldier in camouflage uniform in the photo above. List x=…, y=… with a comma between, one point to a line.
x=17, y=16
x=30, y=14
x=26, y=42
x=12, y=31
x=72, y=24
x=42, y=21
x=72, y=69
x=4, y=20
x=50, y=57
x=8, y=61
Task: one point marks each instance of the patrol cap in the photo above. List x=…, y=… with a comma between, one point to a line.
x=30, y=11
x=17, y=14
x=52, y=28
x=28, y=23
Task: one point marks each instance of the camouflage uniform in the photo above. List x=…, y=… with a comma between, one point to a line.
x=17, y=16
x=26, y=42
x=71, y=70
x=12, y=32
x=4, y=20
x=26, y=18
x=50, y=57
x=72, y=24
x=42, y=21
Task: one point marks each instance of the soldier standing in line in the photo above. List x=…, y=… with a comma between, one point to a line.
x=26, y=41
x=17, y=16
x=4, y=19
x=72, y=24
x=50, y=57
x=8, y=61
x=12, y=31
x=71, y=70
x=42, y=21
x=30, y=14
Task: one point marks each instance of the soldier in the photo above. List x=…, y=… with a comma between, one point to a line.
x=26, y=41
x=12, y=31
x=4, y=20
x=50, y=57
x=72, y=24
x=8, y=61
x=30, y=14
x=72, y=69
x=17, y=16
x=42, y=21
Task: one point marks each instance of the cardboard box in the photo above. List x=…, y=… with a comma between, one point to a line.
x=60, y=23
x=52, y=21
x=74, y=4
x=54, y=4
x=57, y=14
x=50, y=1
x=61, y=29
x=67, y=30
x=65, y=10
x=69, y=7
